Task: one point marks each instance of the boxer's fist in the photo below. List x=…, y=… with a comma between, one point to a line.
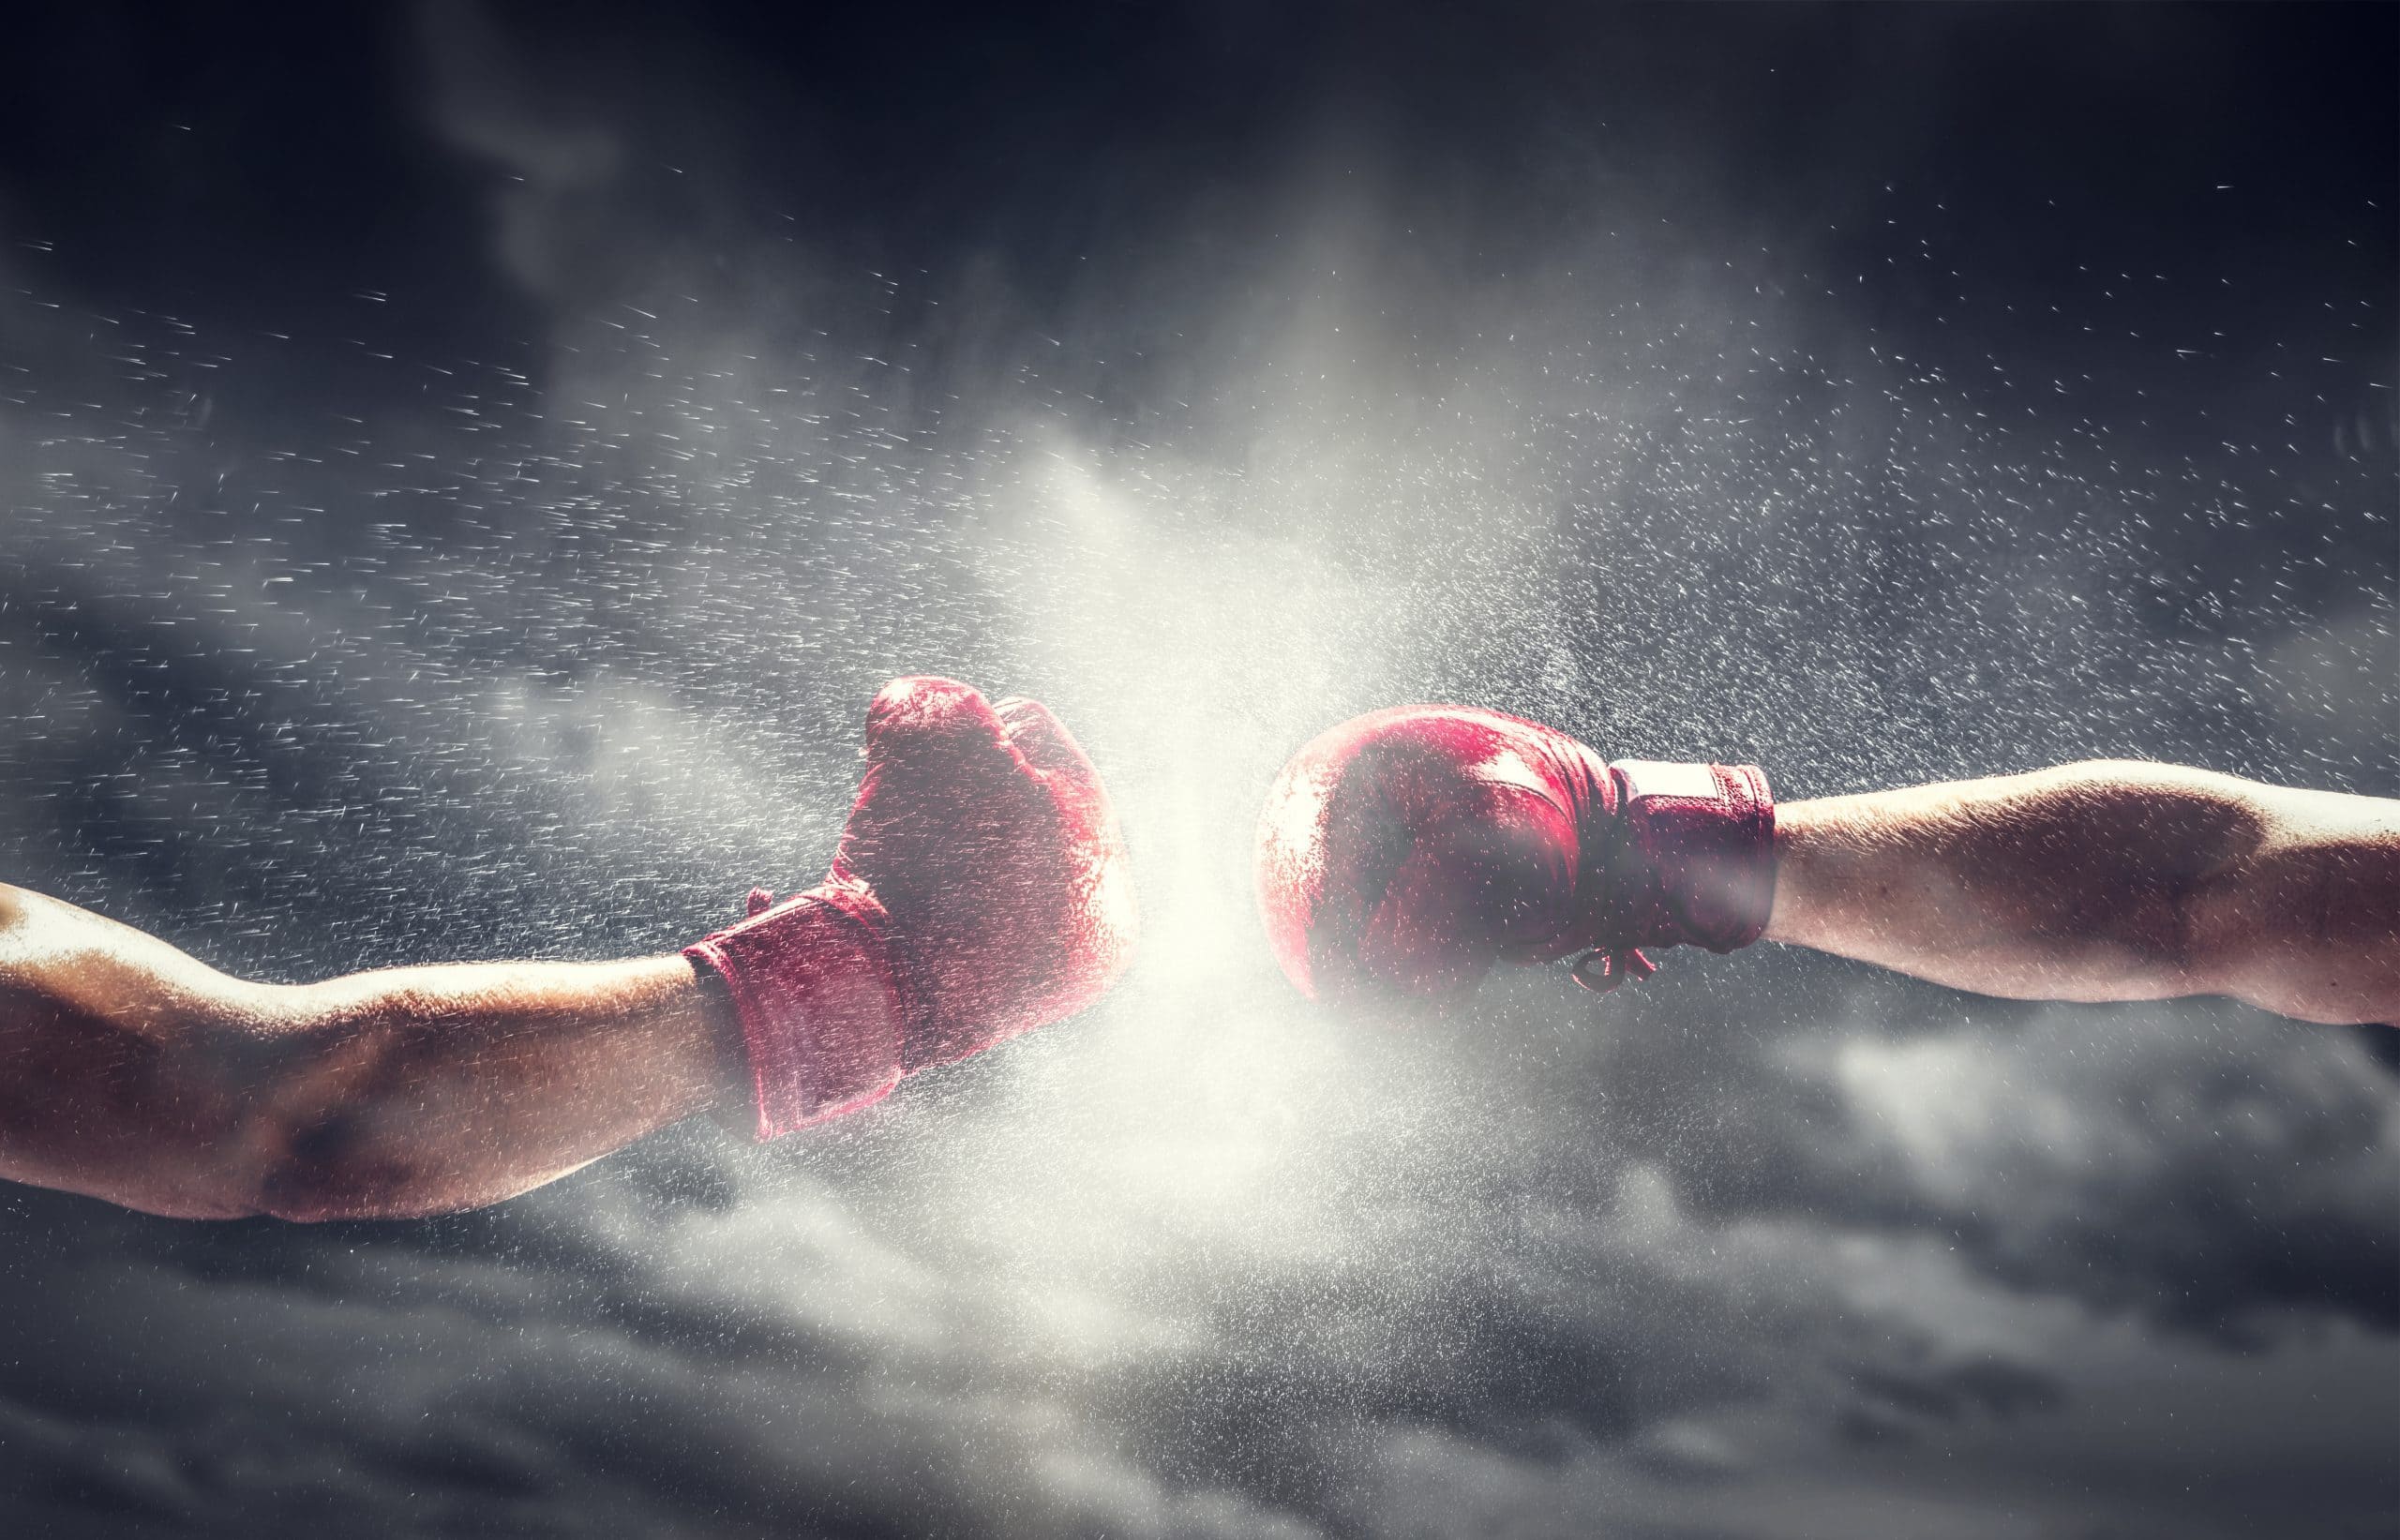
x=980, y=892
x=1405, y=852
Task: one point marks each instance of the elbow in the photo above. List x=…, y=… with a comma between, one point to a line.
x=221, y=1121
x=371, y=1160
x=310, y=1157
x=335, y=1166
x=267, y=1130
x=334, y=1131
x=243, y=1167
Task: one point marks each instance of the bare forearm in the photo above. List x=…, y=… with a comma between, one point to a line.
x=429, y=1089
x=2106, y=881
x=133, y=1072
x=2006, y=886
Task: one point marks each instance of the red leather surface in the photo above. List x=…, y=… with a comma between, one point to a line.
x=982, y=867
x=1405, y=852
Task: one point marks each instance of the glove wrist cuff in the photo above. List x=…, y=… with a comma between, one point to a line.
x=813, y=986
x=1705, y=835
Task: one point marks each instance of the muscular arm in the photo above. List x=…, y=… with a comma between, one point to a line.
x=2111, y=880
x=133, y=1072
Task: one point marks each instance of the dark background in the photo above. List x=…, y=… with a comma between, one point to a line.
x=465, y=470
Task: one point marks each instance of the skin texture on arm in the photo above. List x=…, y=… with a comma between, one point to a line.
x=2108, y=880
x=133, y=1072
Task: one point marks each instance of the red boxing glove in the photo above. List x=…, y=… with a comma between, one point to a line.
x=980, y=891
x=1406, y=851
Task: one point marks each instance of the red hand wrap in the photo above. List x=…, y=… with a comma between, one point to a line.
x=818, y=1001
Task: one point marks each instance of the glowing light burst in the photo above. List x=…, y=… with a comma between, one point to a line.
x=565, y=655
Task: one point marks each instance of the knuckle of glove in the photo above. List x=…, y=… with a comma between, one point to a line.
x=1007, y=890
x=1403, y=853
x=976, y=894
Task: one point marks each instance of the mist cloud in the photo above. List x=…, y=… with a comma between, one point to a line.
x=558, y=647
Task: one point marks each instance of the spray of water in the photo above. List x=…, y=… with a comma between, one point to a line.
x=555, y=650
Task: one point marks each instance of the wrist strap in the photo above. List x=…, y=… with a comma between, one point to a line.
x=1705, y=834
x=819, y=1003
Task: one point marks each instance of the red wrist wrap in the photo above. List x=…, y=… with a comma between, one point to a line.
x=823, y=1007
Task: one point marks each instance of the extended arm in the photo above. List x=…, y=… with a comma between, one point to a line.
x=980, y=892
x=133, y=1072
x=2111, y=880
